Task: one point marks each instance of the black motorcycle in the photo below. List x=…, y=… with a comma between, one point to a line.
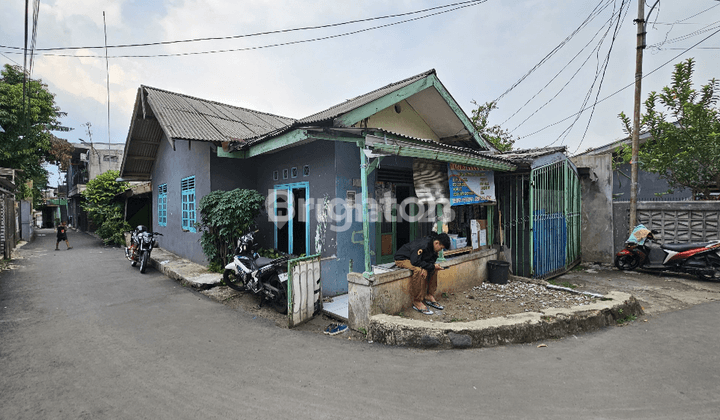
x=140, y=245
x=262, y=276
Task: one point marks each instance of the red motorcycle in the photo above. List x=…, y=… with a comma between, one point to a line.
x=641, y=251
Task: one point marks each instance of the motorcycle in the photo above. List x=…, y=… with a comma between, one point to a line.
x=641, y=251
x=263, y=276
x=140, y=244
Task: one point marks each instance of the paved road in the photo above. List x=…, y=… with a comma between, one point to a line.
x=84, y=336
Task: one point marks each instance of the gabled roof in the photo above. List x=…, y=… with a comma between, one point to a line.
x=351, y=104
x=423, y=92
x=611, y=147
x=159, y=113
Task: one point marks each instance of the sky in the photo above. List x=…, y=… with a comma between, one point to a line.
x=544, y=60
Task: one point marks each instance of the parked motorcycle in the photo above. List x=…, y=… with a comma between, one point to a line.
x=140, y=244
x=263, y=276
x=641, y=251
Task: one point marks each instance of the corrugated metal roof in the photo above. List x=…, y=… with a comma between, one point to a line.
x=526, y=155
x=350, y=104
x=190, y=118
x=427, y=144
x=446, y=146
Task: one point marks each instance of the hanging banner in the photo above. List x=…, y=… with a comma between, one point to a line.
x=470, y=185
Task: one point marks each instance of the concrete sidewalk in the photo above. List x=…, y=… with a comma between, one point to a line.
x=185, y=271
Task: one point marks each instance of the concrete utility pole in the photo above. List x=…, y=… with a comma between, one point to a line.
x=640, y=21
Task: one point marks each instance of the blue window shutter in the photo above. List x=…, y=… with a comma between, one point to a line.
x=162, y=205
x=187, y=187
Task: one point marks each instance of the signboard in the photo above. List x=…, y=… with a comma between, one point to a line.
x=470, y=185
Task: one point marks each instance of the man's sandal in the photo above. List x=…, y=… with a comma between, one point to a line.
x=425, y=311
x=435, y=305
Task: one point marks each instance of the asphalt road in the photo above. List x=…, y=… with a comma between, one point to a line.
x=85, y=336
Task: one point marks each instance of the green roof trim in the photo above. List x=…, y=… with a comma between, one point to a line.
x=364, y=111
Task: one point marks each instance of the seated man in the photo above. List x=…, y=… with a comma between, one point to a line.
x=419, y=256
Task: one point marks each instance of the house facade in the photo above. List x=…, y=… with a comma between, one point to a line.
x=351, y=183
x=86, y=163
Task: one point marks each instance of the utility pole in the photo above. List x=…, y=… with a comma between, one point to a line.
x=640, y=21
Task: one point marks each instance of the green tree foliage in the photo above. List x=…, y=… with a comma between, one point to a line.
x=28, y=141
x=224, y=217
x=103, y=209
x=685, y=145
x=499, y=137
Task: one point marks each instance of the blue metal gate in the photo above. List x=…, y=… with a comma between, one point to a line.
x=555, y=221
x=539, y=215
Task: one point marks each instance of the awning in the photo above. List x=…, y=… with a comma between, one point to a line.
x=432, y=150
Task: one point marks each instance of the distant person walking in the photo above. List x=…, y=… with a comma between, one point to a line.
x=62, y=236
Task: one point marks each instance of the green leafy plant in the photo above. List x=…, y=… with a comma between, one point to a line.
x=627, y=319
x=105, y=211
x=28, y=116
x=224, y=217
x=499, y=137
x=216, y=267
x=684, y=148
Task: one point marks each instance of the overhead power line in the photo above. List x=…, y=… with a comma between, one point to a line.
x=454, y=6
x=593, y=14
x=624, y=87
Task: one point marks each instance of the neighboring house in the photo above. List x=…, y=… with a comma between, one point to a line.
x=9, y=223
x=87, y=162
x=391, y=145
x=650, y=186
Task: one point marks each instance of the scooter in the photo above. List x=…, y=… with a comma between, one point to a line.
x=139, y=246
x=263, y=276
x=641, y=251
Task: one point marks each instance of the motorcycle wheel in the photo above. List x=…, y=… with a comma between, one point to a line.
x=280, y=303
x=144, y=261
x=626, y=262
x=233, y=281
x=708, y=277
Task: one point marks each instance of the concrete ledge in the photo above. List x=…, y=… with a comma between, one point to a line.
x=514, y=329
x=186, y=272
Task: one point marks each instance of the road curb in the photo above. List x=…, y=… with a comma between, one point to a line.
x=186, y=272
x=513, y=329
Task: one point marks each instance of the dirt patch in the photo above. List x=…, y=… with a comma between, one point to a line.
x=493, y=300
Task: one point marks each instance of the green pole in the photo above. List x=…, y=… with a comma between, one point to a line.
x=365, y=216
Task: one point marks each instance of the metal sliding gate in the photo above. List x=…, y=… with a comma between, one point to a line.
x=540, y=219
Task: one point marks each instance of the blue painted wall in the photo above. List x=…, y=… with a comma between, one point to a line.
x=171, y=166
x=333, y=166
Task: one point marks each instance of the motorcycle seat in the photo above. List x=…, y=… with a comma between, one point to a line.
x=262, y=261
x=683, y=247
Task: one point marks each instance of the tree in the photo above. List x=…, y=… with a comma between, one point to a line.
x=684, y=148
x=27, y=142
x=499, y=137
x=224, y=217
x=103, y=209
